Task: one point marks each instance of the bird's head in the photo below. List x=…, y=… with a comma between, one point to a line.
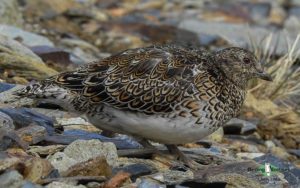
x=240, y=65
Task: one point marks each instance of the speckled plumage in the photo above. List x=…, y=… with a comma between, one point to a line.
x=168, y=94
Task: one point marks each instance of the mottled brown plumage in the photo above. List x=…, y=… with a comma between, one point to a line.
x=190, y=92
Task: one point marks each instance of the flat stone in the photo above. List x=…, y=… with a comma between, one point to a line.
x=23, y=117
x=45, y=150
x=75, y=134
x=171, y=177
x=249, y=155
x=63, y=185
x=135, y=170
x=5, y=86
x=32, y=134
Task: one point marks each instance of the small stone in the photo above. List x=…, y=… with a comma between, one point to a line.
x=270, y=144
x=119, y=180
x=37, y=169
x=82, y=150
x=32, y=134
x=63, y=185
x=45, y=150
x=217, y=136
x=7, y=162
x=11, y=179
x=172, y=176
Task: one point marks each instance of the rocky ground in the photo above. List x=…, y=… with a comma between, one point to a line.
x=42, y=145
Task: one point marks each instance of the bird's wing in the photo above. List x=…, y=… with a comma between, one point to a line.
x=149, y=80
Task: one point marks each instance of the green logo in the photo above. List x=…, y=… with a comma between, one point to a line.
x=267, y=169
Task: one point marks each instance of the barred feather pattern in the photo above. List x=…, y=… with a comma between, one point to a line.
x=168, y=81
x=160, y=81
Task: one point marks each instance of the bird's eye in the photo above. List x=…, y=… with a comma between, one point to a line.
x=246, y=60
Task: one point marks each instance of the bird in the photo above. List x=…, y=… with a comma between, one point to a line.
x=168, y=94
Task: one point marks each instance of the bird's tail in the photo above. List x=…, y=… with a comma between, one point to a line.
x=35, y=90
x=41, y=90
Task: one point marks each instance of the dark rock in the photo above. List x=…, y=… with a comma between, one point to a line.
x=156, y=34
x=203, y=185
x=239, y=126
x=295, y=152
x=5, y=86
x=52, y=55
x=71, y=135
x=290, y=171
x=23, y=117
x=295, y=11
x=135, y=170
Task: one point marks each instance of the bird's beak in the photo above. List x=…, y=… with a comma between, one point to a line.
x=263, y=75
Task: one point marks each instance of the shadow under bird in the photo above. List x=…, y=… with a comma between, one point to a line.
x=167, y=94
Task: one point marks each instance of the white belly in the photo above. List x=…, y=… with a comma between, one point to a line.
x=164, y=130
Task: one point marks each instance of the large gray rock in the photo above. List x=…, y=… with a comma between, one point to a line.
x=27, y=38
x=13, y=45
x=240, y=34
